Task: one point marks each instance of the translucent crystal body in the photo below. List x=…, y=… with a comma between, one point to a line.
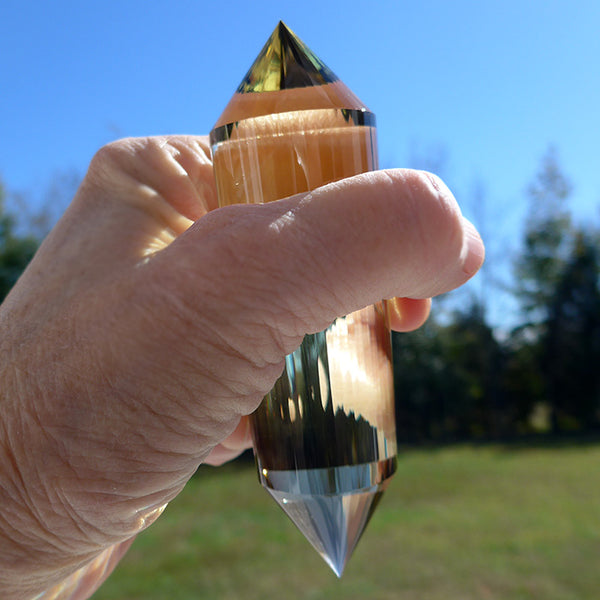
x=324, y=437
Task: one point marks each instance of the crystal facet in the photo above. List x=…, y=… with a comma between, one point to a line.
x=332, y=506
x=284, y=63
x=324, y=437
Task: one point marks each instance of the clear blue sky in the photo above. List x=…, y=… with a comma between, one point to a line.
x=493, y=83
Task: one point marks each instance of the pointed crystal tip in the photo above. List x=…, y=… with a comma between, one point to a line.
x=332, y=523
x=294, y=79
x=285, y=62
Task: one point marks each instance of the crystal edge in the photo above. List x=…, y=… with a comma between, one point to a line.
x=358, y=117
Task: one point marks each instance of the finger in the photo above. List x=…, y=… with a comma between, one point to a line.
x=166, y=176
x=232, y=446
x=407, y=314
x=139, y=194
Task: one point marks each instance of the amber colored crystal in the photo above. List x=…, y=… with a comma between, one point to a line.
x=324, y=437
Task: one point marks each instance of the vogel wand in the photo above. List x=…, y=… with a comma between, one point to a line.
x=324, y=437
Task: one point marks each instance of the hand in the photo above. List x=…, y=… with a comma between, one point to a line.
x=149, y=325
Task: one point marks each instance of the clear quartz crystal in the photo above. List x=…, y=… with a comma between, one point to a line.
x=324, y=437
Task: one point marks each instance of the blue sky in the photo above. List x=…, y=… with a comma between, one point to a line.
x=489, y=84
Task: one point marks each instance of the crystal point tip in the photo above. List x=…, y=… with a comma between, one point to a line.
x=285, y=62
x=333, y=524
x=293, y=79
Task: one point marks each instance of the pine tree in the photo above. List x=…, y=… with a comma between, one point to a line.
x=547, y=241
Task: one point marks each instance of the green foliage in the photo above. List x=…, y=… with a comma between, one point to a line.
x=570, y=346
x=15, y=250
x=448, y=381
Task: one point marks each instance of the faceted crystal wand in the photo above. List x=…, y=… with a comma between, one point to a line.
x=324, y=437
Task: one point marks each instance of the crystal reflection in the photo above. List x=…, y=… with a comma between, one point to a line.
x=331, y=506
x=334, y=404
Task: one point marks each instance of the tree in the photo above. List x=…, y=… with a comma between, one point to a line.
x=15, y=251
x=39, y=211
x=547, y=241
x=20, y=237
x=420, y=386
x=476, y=361
x=548, y=244
x=448, y=381
x=570, y=348
x=557, y=275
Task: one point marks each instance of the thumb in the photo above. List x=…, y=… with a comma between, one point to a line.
x=308, y=259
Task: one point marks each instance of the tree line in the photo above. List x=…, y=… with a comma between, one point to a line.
x=460, y=378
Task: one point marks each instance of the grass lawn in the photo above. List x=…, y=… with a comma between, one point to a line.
x=456, y=523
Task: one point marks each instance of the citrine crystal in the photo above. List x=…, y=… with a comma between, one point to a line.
x=284, y=63
x=324, y=437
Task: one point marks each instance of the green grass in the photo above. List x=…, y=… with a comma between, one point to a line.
x=457, y=523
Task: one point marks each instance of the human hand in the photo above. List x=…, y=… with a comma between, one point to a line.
x=149, y=325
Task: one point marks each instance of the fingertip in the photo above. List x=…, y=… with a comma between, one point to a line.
x=407, y=314
x=473, y=251
x=239, y=440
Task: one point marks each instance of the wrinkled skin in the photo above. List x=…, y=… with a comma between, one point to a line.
x=148, y=326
